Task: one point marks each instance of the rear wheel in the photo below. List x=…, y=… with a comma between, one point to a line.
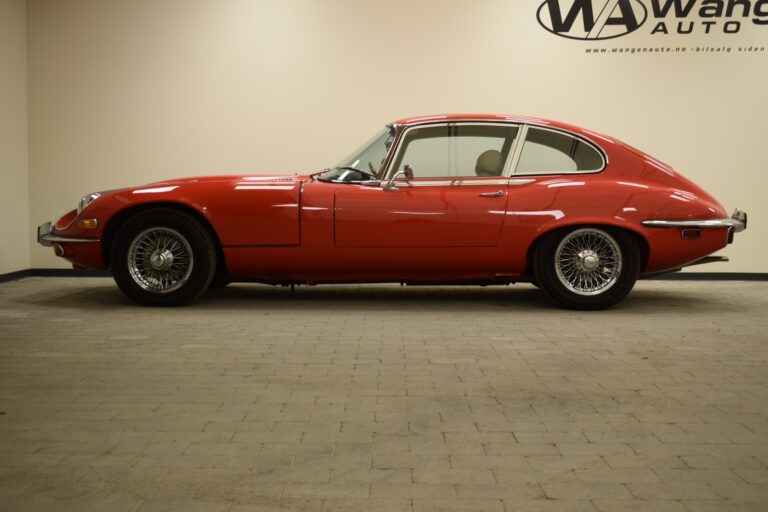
x=588, y=267
x=163, y=257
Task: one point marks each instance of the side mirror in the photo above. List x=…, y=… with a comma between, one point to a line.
x=406, y=173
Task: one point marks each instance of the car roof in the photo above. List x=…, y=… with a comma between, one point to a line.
x=468, y=117
x=412, y=121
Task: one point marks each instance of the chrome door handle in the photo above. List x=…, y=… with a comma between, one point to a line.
x=491, y=194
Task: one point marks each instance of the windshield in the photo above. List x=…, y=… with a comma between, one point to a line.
x=371, y=155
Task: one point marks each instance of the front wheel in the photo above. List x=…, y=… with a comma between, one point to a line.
x=163, y=257
x=588, y=267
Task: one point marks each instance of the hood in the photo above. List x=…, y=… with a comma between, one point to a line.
x=229, y=178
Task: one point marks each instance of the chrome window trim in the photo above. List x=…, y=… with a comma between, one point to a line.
x=396, y=135
x=405, y=129
x=519, y=144
x=522, y=124
x=463, y=182
x=573, y=134
x=399, y=130
x=516, y=182
x=603, y=155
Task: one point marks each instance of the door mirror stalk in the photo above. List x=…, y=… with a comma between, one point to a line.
x=406, y=173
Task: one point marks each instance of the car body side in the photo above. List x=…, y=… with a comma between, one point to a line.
x=280, y=229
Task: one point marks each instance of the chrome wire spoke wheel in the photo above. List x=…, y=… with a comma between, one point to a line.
x=588, y=261
x=160, y=260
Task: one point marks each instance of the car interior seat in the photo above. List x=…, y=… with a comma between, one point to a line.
x=489, y=163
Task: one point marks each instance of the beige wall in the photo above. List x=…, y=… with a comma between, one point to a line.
x=14, y=181
x=123, y=93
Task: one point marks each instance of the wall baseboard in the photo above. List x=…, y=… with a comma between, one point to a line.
x=12, y=276
x=713, y=276
x=679, y=276
x=52, y=272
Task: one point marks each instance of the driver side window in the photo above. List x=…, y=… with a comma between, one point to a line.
x=456, y=151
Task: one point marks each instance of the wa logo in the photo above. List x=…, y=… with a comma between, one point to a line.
x=592, y=20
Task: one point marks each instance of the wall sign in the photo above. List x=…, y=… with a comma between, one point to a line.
x=597, y=20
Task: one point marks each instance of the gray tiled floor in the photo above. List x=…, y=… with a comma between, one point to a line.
x=383, y=398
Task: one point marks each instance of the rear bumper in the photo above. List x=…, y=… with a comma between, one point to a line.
x=45, y=237
x=737, y=222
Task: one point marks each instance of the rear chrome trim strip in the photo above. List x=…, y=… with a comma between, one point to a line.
x=738, y=222
x=737, y=225
x=708, y=223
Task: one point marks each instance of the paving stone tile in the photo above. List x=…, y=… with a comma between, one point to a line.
x=639, y=506
x=753, y=476
x=461, y=505
x=358, y=476
x=453, y=476
x=366, y=505
x=741, y=491
x=566, y=462
x=725, y=506
x=548, y=505
x=604, y=449
x=672, y=491
x=191, y=505
x=692, y=476
x=724, y=461
x=413, y=491
x=515, y=448
x=502, y=491
x=517, y=462
x=586, y=490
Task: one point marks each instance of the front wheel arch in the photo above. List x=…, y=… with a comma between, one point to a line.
x=163, y=257
x=119, y=219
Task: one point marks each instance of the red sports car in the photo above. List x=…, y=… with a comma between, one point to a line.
x=479, y=199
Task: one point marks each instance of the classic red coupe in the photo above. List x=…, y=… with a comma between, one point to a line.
x=481, y=199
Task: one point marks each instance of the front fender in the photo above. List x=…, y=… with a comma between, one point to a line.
x=242, y=212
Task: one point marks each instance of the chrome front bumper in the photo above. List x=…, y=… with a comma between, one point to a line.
x=737, y=222
x=45, y=236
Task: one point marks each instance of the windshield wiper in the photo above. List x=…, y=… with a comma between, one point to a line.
x=316, y=175
x=341, y=173
x=347, y=168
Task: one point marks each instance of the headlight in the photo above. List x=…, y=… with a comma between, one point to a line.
x=85, y=201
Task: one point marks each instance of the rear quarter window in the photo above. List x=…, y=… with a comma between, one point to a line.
x=551, y=152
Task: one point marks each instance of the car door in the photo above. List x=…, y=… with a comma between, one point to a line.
x=456, y=197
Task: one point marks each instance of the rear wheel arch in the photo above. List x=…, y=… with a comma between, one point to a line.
x=119, y=219
x=642, y=243
x=587, y=267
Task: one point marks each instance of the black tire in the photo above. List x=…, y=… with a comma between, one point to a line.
x=219, y=282
x=558, y=267
x=145, y=240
